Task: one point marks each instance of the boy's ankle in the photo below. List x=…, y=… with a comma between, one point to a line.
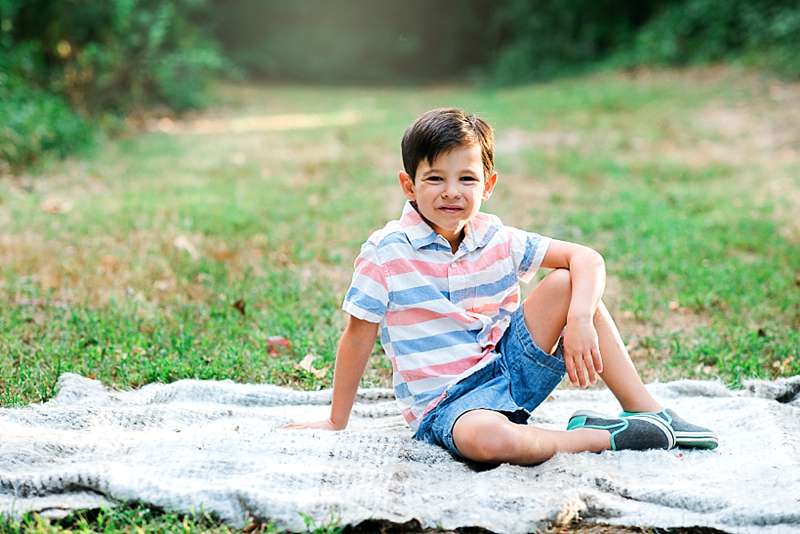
x=597, y=440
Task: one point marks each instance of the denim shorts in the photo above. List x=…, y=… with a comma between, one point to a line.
x=514, y=384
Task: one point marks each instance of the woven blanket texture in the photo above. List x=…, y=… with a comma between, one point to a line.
x=217, y=445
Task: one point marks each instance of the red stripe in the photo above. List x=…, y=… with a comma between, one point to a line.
x=494, y=335
x=411, y=218
x=440, y=270
x=431, y=405
x=371, y=270
x=450, y=368
x=408, y=415
x=410, y=316
x=491, y=308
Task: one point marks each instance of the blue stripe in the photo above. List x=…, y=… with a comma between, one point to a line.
x=493, y=288
x=422, y=399
x=358, y=298
x=401, y=390
x=415, y=295
x=485, y=290
x=531, y=244
x=394, y=238
x=437, y=246
x=437, y=341
x=422, y=241
x=487, y=236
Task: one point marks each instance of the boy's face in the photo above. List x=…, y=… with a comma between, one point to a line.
x=450, y=192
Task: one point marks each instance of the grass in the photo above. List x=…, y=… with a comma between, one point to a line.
x=180, y=251
x=140, y=519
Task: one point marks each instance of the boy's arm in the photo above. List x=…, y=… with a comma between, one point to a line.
x=587, y=273
x=355, y=347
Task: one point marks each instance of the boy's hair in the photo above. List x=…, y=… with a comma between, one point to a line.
x=442, y=129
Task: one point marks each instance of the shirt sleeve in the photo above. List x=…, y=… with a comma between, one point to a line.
x=527, y=250
x=368, y=295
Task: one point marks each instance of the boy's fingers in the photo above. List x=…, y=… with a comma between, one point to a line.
x=583, y=373
x=590, y=370
x=598, y=359
x=570, y=365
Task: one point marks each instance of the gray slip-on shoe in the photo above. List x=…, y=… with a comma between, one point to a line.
x=687, y=435
x=634, y=432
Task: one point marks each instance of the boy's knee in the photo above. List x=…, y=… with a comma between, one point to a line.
x=491, y=441
x=560, y=280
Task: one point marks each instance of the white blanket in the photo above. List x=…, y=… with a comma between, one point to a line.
x=216, y=446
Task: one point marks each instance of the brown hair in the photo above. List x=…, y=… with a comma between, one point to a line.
x=442, y=129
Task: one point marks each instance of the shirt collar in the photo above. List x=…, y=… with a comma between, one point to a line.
x=478, y=231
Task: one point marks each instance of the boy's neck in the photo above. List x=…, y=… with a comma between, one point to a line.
x=454, y=240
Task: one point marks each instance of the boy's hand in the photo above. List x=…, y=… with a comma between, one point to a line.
x=582, y=352
x=324, y=425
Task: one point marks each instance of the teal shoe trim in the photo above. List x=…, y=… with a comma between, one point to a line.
x=576, y=422
x=613, y=434
x=580, y=422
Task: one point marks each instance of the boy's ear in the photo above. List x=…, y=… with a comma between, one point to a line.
x=407, y=183
x=488, y=186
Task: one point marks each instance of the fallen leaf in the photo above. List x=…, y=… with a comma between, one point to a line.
x=55, y=205
x=222, y=254
x=108, y=264
x=182, y=242
x=161, y=285
x=306, y=364
x=239, y=305
x=275, y=344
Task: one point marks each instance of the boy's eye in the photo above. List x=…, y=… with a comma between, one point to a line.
x=434, y=178
x=469, y=179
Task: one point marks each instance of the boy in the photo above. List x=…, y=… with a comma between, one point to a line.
x=470, y=361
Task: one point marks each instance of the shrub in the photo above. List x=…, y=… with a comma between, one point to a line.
x=63, y=58
x=121, y=54
x=764, y=32
x=33, y=123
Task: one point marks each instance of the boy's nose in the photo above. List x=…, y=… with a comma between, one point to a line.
x=451, y=190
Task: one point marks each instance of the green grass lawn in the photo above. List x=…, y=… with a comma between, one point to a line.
x=179, y=251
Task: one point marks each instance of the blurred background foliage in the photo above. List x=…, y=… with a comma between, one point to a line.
x=69, y=66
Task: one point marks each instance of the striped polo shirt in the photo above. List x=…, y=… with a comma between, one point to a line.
x=441, y=313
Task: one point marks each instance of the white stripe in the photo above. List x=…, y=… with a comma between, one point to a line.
x=415, y=279
x=429, y=384
x=449, y=354
x=367, y=285
x=433, y=327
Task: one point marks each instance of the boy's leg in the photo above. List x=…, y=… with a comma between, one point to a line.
x=545, y=312
x=488, y=436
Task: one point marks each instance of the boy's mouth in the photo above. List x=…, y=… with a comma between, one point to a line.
x=450, y=209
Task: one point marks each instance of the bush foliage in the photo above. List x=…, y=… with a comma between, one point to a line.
x=766, y=32
x=118, y=56
x=540, y=39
